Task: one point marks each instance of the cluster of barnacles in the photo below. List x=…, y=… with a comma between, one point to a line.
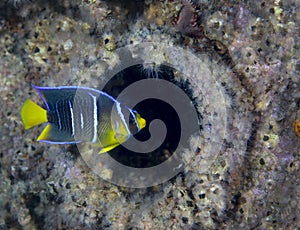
x=187, y=20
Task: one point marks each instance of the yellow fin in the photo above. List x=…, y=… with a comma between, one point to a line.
x=108, y=148
x=141, y=121
x=32, y=114
x=44, y=134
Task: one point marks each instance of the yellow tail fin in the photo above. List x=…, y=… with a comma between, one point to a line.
x=32, y=114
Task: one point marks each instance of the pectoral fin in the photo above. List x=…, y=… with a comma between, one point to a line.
x=108, y=148
x=109, y=141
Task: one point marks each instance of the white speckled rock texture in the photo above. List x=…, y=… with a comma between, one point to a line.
x=250, y=49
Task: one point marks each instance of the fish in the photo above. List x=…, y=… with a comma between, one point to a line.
x=76, y=114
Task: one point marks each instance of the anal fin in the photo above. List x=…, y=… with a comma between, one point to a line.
x=52, y=134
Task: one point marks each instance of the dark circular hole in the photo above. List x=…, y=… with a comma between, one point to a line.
x=149, y=109
x=265, y=138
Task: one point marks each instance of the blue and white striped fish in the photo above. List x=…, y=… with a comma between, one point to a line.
x=75, y=114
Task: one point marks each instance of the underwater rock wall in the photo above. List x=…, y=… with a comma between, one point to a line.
x=241, y=171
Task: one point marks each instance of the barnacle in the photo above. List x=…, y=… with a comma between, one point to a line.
x=151, y=69
x=109, y=42
x=151, y=66
x=154, y=14
x=296, y=127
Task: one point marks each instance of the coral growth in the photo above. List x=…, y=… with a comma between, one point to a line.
x=187, y=20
